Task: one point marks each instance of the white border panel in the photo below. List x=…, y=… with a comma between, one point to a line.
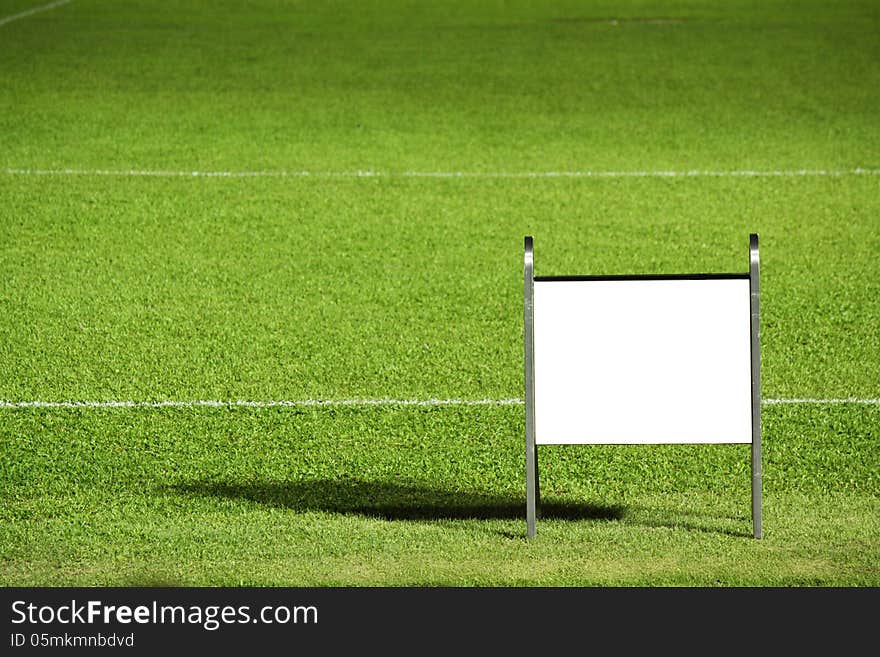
x=642, y=361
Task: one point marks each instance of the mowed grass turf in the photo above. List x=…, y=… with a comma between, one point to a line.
x=121, y=287
x=424, y=497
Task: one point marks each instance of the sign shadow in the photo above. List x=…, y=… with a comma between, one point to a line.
x=392, y=500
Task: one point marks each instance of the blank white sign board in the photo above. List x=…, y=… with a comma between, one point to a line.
x=642, y=361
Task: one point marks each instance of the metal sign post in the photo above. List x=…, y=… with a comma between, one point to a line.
x=755, y=321
x=531, y=446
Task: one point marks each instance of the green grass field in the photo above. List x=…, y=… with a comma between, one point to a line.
x=124, y=277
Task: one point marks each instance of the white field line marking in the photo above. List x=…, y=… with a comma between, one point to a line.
x=216, y=403
x=158, y=173
x=807, y=400
x=30, y=12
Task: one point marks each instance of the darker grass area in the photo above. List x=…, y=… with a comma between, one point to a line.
x=394, y=500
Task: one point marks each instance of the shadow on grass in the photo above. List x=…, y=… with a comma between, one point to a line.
x=393, y=500
x=673, y=523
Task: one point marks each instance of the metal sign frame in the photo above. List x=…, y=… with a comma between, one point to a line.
x=533, y=495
